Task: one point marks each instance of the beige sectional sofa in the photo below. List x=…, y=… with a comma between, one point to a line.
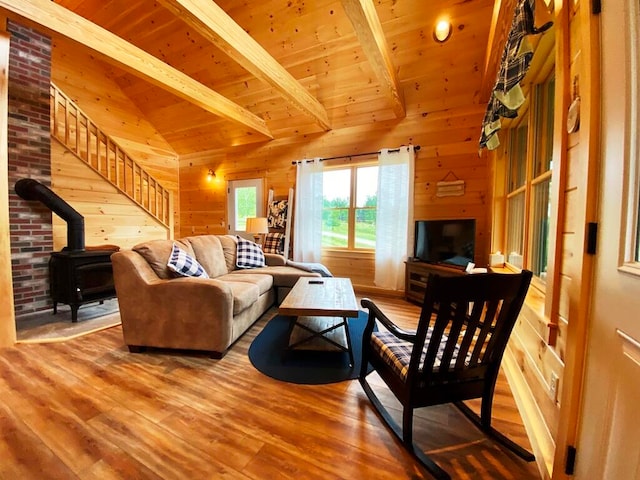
x=161, y=310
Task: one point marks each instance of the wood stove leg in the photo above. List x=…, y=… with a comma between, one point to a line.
x=74, y=313
x=55, y=307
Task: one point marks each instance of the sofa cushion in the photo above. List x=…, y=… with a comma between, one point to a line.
x=184, y=264
x=156, y=253
x=245, y=294
x=249, y=254
x=229, y=247
x=273, y=259
x=208, y=250
x=263, y=281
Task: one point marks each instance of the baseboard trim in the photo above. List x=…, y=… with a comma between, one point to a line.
x=383, y=292
x=542, y=443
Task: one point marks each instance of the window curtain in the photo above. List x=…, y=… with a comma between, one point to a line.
x=307, y=224
x=394, y=209
x=507, y=95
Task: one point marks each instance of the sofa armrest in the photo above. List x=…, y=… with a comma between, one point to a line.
x=186, y=312
x=274, y=260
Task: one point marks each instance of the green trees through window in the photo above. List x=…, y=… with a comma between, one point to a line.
x=349, y=207
x=245, y=206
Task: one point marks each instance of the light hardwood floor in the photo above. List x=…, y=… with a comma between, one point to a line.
x=87, y=408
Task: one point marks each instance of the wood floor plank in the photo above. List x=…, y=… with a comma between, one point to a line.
x=159, y=450
x=87, y=408
x=24, y=454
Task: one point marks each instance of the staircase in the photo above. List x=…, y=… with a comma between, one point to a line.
x=75, y=130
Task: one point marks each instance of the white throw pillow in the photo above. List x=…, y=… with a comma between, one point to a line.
x=184, y=264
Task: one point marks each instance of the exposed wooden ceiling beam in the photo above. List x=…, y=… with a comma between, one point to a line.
x=215, y=25
x=366, y=23
x=132, y=59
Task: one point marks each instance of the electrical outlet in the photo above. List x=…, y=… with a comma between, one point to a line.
x=553, y=386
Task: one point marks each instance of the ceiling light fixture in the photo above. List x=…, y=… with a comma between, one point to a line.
x=442, y=31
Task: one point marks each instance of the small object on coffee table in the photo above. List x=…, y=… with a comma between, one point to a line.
x=306, y=301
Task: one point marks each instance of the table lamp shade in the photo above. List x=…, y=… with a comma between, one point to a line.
x=257, y=225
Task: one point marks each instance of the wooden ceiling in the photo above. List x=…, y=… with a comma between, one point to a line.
x=244, y=71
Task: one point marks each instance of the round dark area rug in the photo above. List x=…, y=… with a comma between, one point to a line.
x=268, y=354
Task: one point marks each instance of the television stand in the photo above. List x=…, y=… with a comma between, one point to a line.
x=417, y=276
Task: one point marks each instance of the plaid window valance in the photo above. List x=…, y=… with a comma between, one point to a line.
x=507, y=96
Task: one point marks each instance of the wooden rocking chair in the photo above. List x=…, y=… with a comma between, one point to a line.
x=454, y=354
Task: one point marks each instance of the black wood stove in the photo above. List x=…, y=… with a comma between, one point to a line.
x=77, y=275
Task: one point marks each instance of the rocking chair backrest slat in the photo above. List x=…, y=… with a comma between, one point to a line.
x=487, y=327
x=453, y=343
x=470, y=334
x=424, y=325
x=468, y=320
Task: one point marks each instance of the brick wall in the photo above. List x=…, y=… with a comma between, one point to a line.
x=29, y=157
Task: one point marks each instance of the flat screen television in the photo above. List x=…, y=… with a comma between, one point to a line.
x=448, y=242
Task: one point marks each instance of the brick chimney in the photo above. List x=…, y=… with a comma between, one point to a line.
x=29, y=157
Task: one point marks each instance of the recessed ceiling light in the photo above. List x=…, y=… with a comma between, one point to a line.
x=442, y=31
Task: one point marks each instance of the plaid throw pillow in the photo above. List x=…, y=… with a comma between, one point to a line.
x=249, y=254
x=273, y=243
x=184, y=264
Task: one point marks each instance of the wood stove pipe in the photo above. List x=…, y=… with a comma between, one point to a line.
x=31, y=189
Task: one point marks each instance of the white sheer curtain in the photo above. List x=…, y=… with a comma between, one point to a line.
x=395, y=207
x=307, y=224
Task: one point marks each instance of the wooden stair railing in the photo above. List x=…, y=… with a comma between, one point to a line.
x=75, y=130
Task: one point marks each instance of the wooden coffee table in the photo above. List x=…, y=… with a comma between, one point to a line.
x=312, y=307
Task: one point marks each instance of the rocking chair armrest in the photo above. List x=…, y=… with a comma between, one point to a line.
x=376, y=314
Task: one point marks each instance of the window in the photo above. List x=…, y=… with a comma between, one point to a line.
x=541, y=176
x=631, y=257
x=245, y=200
x=528, y=178
x=349, y=202
x=516, y=189
x=244, y=206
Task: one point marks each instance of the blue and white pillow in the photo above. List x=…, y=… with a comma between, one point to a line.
x=184, y=264
x=249, y=254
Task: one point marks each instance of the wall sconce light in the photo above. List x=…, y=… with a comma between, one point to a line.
x=442, y=31
x=211, y=175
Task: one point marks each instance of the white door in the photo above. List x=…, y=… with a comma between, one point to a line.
x=245, y=198
x=608, y=444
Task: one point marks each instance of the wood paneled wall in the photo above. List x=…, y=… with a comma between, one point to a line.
x=7, y=314
x=564, y=304
x=109, y=216
x=448, y=142
x=87, y=81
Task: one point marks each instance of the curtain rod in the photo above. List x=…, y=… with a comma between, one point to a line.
x=295, y=162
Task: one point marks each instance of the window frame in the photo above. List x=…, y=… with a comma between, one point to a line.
x=630, y=254
x=232, y=187
x=538, y=131
x=352, y=208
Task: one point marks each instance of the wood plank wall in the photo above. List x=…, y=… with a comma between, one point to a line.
x=448, y=141
x=110, y=218
x=7, y=314
x=87, y=81
x=566, y=296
